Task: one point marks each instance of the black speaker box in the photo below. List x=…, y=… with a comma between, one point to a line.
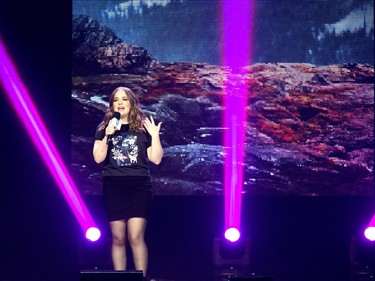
x=111, y=275
x=250, y=278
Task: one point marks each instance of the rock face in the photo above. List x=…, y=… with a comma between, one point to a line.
x=96, y=49
x=309, y=129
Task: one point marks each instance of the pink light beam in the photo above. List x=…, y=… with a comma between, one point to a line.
x=34, y=126
x=236, y=34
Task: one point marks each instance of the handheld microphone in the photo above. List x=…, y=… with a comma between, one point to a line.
x=115, y=122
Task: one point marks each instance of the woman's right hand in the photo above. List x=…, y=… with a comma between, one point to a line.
x=110, y=130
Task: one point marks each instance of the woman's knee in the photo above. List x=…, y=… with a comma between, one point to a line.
x=136, y=240
x=118, y=240
x=118, y=229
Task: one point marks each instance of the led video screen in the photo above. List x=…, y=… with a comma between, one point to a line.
x=309, y=85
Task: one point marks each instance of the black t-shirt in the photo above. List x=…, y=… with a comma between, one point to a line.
x=127, y=152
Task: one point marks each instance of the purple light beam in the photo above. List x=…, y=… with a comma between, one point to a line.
x=29, y=116
x=236, y=50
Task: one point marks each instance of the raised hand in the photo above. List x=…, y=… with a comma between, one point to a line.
x=151, y=127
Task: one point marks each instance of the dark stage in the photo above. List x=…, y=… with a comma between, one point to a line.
x=289, y=238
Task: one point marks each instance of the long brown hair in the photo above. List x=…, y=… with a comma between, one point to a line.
x=136, y=116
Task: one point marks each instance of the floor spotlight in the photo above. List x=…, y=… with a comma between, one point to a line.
x=93, y=234
x=230, y=258
x=232, y=234
x=362, y=258
x=370, y=233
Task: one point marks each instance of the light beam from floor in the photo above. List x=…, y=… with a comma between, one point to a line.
x=26, y=111
x=236, y=53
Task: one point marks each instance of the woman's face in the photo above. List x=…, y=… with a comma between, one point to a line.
x=121, y=103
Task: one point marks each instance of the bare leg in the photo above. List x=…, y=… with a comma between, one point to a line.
x=136, y=232
x=118, y=229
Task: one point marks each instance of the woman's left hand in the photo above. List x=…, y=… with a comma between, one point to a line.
x=151, y=127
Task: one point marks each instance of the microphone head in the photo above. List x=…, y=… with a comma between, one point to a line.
x=116, y=115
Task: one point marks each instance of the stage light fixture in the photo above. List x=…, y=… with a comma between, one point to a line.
x=231, y=258
x=370, y=229
x=362, y=258
x=370, y=233
x=24, y=107
x=93, y=234
x=232, y=234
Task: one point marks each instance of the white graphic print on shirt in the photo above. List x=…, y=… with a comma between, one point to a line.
x=125, y=150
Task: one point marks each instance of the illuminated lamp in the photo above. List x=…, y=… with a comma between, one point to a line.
x=370, y=230
x=232, y=234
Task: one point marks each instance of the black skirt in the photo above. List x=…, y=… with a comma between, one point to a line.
x=127, y=197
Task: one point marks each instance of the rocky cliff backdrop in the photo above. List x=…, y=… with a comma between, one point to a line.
x=309, y=127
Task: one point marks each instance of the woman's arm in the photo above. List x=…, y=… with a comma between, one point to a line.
x=100, y=150
x=101, y=147
x=155, y=151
